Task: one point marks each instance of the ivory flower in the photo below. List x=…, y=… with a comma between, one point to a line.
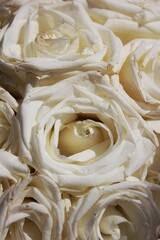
x=82, y=133
x=122, y=211
x=57, y=37
x=139, y=76
x=128, y=19
x=8, y=122
x=32, y=209
x=8, y=10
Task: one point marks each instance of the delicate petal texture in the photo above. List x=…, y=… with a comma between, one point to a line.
x=79, y=120
x=128, y=19
x=139, y=75
x=82, y=133
x=55, y=37
x=11, y=170
x=32, y=209
x=122, y=211
x=8, y=122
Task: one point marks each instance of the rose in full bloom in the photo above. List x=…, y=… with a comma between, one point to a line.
x=57, y=37
x=8, y=10
x=121, y=211
x=11, y=170
x=128, y=19
x=139, y=76
x=82, y=133
x=8, y=122
x=32, y=209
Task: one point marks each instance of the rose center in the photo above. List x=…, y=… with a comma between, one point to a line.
x=51, y=34
x=53, y=42
x=79, y=136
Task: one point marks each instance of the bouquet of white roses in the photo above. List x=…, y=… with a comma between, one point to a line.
x=80, y=120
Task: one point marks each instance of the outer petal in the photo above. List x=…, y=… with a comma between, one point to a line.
x=128, y=19
x=11, y=170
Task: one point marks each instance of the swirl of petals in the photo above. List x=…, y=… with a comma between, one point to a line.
x=8, y=122
x=8, y=10
x=32, y=209
x=124, y=210
x=57, y=37
x=139, y=76
x=82, y=133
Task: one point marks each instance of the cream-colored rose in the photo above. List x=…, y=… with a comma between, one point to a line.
x=122, y=211
x=82, y=133
x=11, y=170
x=128, y=19
x=8, y=9
x=139, y=76
x=8, y=122
x=57, y=37
x=32, y=209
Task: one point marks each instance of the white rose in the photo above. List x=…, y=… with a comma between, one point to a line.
x=57, y=37
x=128, y=19
x=8, y=122
x=8, y=10
x=32, y=209
x=139, y=76
x=123, y=211
x=82, y=133
x=11, y=170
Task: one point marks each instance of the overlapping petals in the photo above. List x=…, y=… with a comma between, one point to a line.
x=11, y=170
x=139, y=76
x=8, y=122
x=32, y=209
x=57, y=37
x=121, y=211
x=79, y=120
x=128, y=19
x=82, y=133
